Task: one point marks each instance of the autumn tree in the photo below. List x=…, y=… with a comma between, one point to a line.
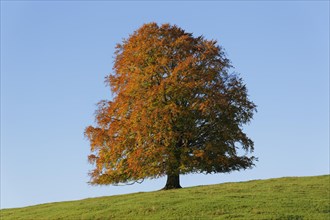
x=176, y=109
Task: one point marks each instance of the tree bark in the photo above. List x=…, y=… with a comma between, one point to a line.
x=173, y=182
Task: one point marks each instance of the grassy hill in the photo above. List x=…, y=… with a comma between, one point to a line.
x=283, y=198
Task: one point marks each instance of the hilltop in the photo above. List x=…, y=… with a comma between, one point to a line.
x=281, y=198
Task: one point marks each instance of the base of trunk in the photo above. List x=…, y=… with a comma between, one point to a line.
x=173, y=182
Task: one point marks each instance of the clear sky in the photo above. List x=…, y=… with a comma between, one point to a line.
x=55, y=55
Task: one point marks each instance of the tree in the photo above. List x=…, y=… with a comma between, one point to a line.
x=176, y=109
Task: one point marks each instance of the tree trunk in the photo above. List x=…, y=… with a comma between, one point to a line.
x=173, y=171
x=173, y=182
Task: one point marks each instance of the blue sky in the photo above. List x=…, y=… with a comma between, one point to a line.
x=55, y=55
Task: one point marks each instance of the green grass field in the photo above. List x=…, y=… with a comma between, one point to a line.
x=282, y=198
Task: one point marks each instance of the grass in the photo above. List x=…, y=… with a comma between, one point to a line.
x=282, y=198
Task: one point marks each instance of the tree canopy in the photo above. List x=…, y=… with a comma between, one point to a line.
x=176, y=109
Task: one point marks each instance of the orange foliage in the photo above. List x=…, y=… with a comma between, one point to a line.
x=176, y=110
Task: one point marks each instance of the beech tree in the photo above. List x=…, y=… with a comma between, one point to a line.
x=176, y=109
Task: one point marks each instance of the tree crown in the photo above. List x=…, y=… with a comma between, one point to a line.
x=176, y=109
